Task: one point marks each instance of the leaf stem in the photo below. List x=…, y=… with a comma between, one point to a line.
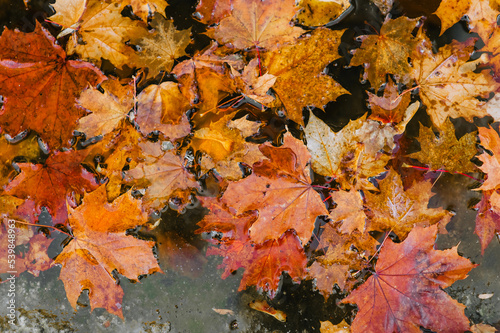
x=441, y=170
x=45, y=226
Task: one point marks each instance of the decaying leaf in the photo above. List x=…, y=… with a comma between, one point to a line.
x=388, y=51
x=264, y=307
x=50, y=183
x=103, y=31
x=449, y=85
x=163, y=108
x=391, y=107
x=299, y=68
x=349, y=210
x=163, y=178
x=318, y=12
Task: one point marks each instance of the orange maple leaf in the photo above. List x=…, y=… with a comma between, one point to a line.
x=280, y=189
x=49, y=107
x=256, y=23
x=100, y=245
x=405, y=291
x=163, y=178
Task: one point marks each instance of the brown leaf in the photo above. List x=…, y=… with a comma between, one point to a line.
x=449, y=85
x=108, y=109
x=162, y=107
x=387, y=52
x=161, y=46
x=445, y=151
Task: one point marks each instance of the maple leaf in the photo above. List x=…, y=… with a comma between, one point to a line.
x=212, y=11
x=280, y=189
x=448, y=85
x=49, y=107
x=399, y=210
x=406, y=287
x=27, y=148
x=209, y=58
x=255, y=23
x=387, y=52
x=377, y=136
x=117, y=150
x=299, y=67
x=144, y=8
x=481, y=16
x=349, y=210
x=488, y=218
x=205, y=87
x=445, y=151
x=101, y=32
x=100, y=245
x=225, y=147
x=108, y=109
x=263, y=263
x=254, y=85
x=490, y=140
x=162, y=107
x=163, y=178
x=318, y=12
x=391, y=107
x=450, y=12
x=49, y=184
x=161, y=46
x=344, y=253
x=68, y=13
x=340, y=155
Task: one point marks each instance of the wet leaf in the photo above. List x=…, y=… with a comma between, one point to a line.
x=406, y=288
x=50, y=107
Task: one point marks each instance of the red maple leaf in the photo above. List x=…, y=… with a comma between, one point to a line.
x=405, y=292
x=49, y=184
x=263, y=263
x=40, y=86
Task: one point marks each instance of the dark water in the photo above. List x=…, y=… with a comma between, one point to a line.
x=183, y=299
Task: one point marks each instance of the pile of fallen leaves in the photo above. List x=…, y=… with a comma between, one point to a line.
x=238, y=126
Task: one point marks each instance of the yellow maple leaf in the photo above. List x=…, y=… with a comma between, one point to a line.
x=161, y=46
